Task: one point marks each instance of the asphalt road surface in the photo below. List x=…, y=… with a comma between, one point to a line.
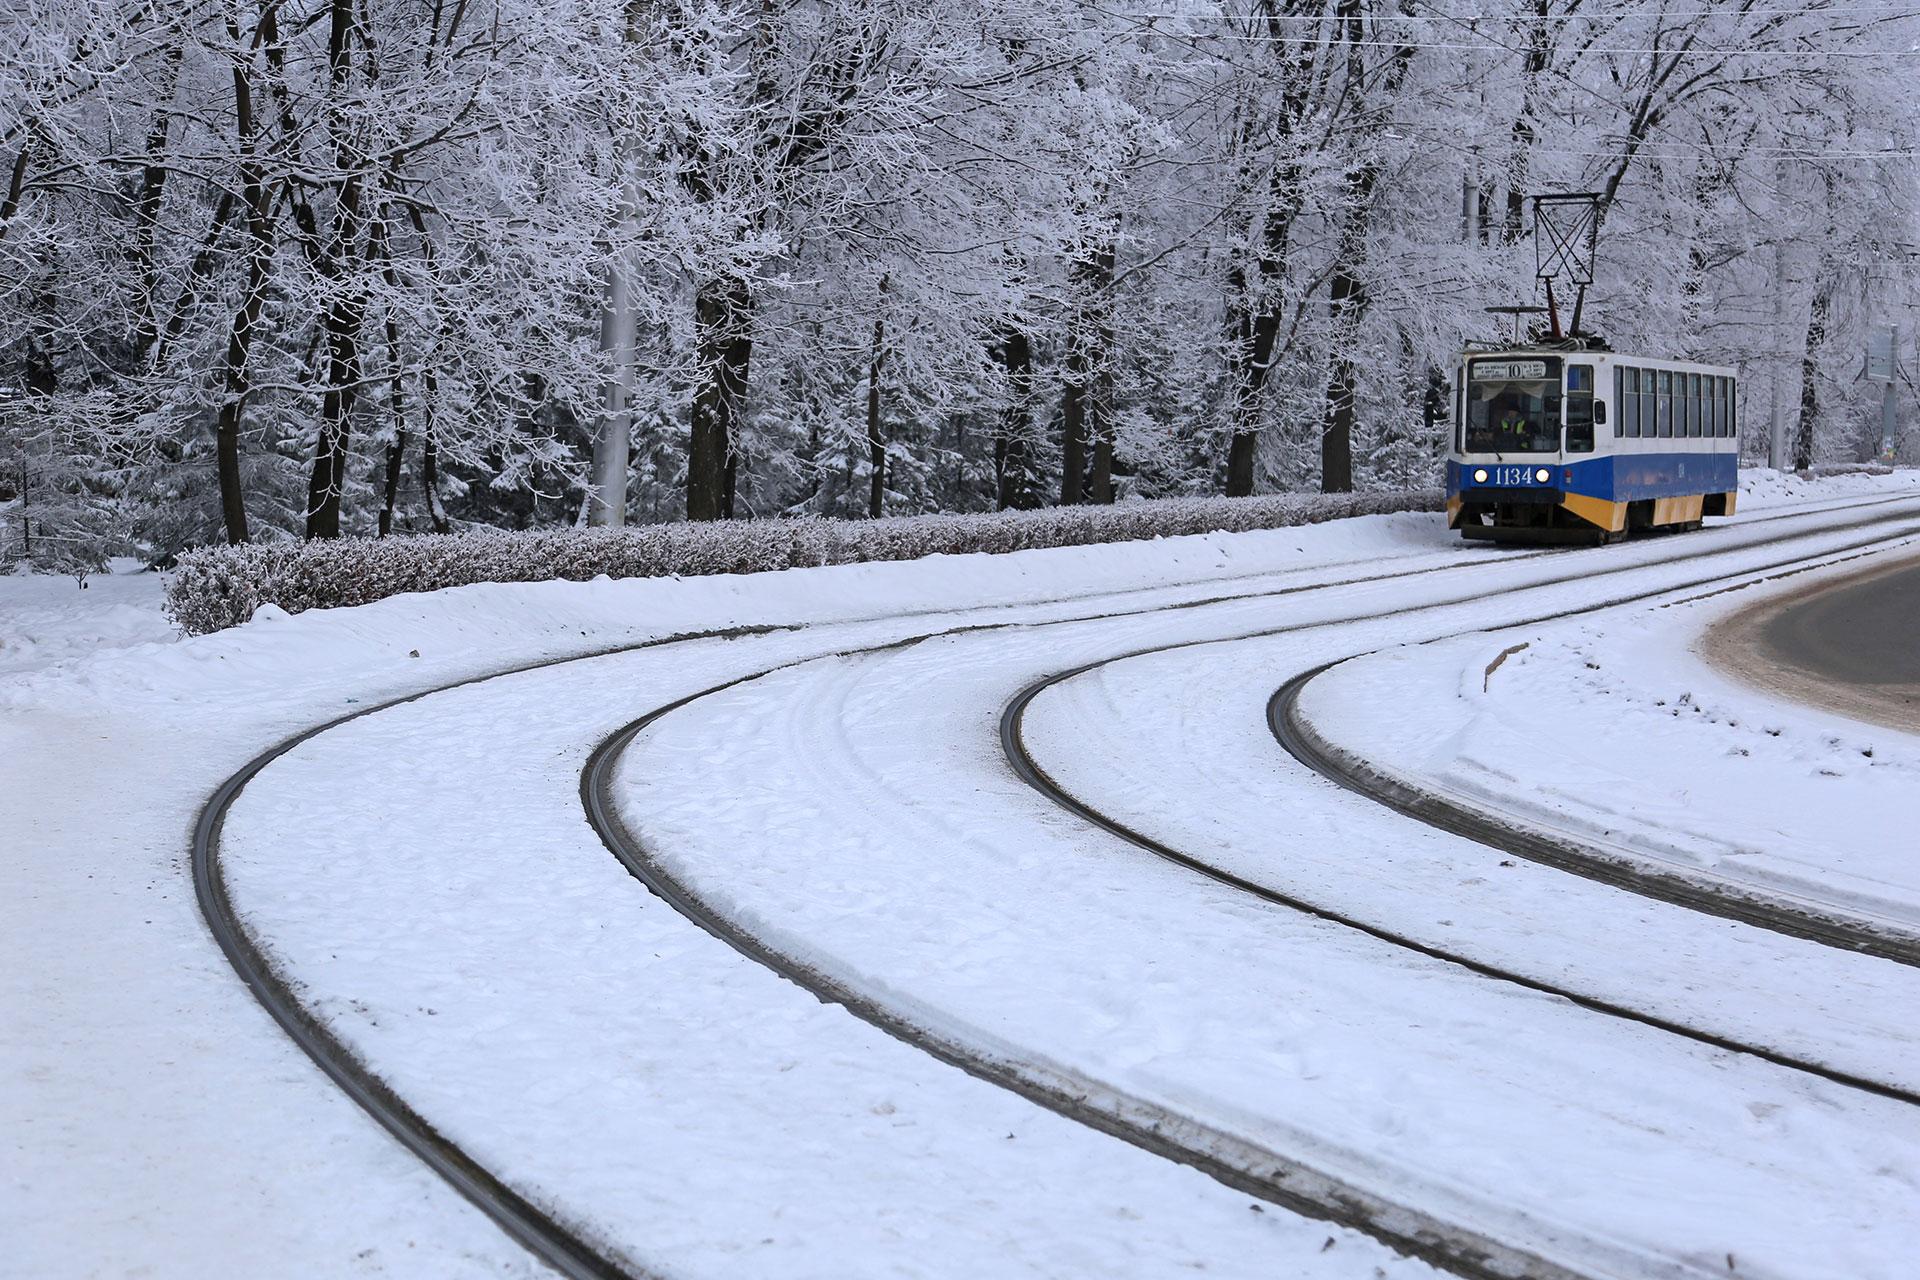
x=1850, y=644
x=1865, y=632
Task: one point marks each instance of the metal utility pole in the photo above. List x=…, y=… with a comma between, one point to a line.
x=1883, y=364
x=1776, y=425
x=607, y=504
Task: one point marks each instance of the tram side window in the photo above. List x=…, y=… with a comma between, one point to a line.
x=1666, y=403
x=1648, y=426
x=1697, y=398
x=1733, y=407
x=1626, y=394
x=1719, y=405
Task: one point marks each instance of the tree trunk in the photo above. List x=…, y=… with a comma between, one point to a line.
x=723, y=317
x=1254, y=306
x=1100, y=415
x=344, y=310
x=1012, y=460
x=1817, y=321
x=876, y=430
x=1347, y=297
x=396, y=381
x=430, y=453
x=396, y=456
x=1102, y=480
x=1087, y=356
x=397, y=447
x=1073, y=428
x=327, y=482
x=236, y=382
x=153, y=182
x=1347, y=301
x=1539, y=56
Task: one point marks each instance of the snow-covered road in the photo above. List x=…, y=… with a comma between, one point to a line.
x=424, y=879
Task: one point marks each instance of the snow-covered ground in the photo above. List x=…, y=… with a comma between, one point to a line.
x=155, y=1118
x=872, y=830
x=426, y=875
x=47, y=619
x=1617, y=730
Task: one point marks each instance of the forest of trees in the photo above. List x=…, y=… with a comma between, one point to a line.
x=298, y=268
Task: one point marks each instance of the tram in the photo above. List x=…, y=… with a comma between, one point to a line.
x=1561, y=443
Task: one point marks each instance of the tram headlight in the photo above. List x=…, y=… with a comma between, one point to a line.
x=1543, y=475
x=1480, y=475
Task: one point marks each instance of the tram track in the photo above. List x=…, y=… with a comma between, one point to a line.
x=575, y=1253
x=1270, y=1174
x=563, y=1247
x=1029, y=771
x=1261, y=1172
x=1299, y=740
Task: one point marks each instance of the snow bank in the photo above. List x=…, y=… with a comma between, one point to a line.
x=1764, y=486
x=49, y=618
x=220, y=587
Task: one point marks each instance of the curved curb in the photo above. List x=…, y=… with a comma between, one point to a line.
x=1566, y=852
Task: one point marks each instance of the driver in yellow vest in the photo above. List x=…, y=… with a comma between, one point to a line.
x=1514, y=429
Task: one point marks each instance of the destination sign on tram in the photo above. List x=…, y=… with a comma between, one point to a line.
x=1509, y=370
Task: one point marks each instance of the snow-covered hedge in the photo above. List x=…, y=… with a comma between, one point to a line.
x=219, y=587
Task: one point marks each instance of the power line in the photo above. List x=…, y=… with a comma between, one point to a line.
x=1894, y=11
x=1488, y=47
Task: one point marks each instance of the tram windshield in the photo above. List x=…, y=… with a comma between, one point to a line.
x=1513, y=406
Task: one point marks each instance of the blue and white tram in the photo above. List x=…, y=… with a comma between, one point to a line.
x=1570, y=445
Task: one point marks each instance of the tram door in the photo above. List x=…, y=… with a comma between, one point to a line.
x=1584, y=409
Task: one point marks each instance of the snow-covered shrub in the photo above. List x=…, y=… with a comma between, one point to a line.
x=219, y=587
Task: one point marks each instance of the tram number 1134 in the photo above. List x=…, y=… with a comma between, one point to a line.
x=1512, y=477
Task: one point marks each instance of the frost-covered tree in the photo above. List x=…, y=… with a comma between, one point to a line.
x=322, y=266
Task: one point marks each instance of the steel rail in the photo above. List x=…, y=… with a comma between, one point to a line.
x=567, y=1249
x=1565, y=851
x=1030, y=772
